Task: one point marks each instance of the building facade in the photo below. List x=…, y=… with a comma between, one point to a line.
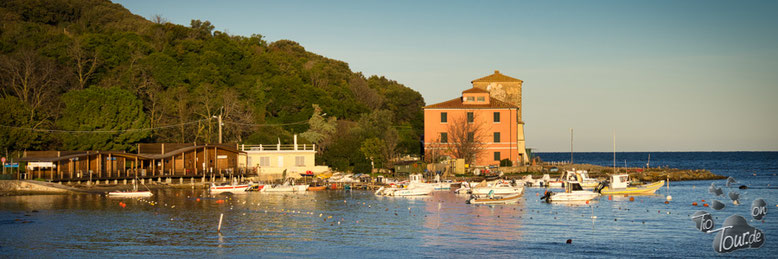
x=152, y=161
x=479, y=115
x=270, y=161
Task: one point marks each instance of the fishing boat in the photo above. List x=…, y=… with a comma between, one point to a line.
x=495, y=199
x=317, y=188
x=131, y=193
x=582, y=177
x=413, y=190
x=501, y=188
x=619, y=184
x=573, y=192
x=229, y=187
x=286, y=187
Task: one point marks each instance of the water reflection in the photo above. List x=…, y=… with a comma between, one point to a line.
x=183, y=223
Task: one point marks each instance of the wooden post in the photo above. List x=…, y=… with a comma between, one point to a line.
x=59, y=172
x=195, y=161
x=163, y=164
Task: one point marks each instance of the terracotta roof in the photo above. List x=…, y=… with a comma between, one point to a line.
x=456, y=103
x=496, y=77
x=474, y=90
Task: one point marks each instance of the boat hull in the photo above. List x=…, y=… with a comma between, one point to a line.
x=501, y=200
x=229, y=188
x=646, y=189
x=573, y=197
x=317, y=188
x=130, y=194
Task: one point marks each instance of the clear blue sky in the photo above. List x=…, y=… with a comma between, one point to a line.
x=665, y=75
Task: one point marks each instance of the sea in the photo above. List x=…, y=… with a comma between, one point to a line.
x=358, y=224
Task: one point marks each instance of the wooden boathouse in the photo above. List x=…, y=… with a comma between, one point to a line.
x=153, y=161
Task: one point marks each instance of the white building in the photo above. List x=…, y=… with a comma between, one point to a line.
x=270, y=161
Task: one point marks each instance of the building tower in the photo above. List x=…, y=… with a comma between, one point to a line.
x=507, y=89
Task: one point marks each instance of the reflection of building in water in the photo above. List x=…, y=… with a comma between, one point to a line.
x=448, y=218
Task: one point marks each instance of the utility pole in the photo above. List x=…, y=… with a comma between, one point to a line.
x=220, y=128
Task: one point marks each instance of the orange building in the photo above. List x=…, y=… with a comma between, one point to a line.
x=478, y=116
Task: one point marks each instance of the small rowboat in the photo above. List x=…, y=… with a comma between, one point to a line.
x=317, y=188
x=130, y=194
x=229, y=188
x=496, y=200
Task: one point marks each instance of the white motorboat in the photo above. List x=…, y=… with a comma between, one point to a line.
x=573, y=193
x=413, y=190
x=131, y=193
x=501, y=188
x=286, y=187
x=582, y=177
x=495, y=199
x=229, y=187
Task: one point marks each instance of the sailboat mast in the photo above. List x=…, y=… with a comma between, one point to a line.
x=571, y=146
x=614, y=151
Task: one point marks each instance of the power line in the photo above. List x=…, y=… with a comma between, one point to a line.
x=148, y=129
x=266, y=124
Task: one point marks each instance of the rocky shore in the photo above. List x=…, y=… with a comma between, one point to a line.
x=641, y=174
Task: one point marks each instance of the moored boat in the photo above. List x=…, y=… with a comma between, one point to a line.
x=495, y=199
x=131, y=193
x=500, y=189
x=573, y=193
x=619, y=184
x=229, y=187
x=317, y=188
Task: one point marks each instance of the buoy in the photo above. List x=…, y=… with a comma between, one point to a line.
x=631, y=198
x=703, y=200
x=198, y=199
x=569, y=241
x=694, y=203
x=667, y=202
x=669, y=198
x=610, y=197
x=587, y=202
x=705, y=205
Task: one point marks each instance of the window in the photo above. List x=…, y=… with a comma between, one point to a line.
x=299, y=161
x=470, y=98
x=496, y=116
x=496, y=137
x=443, y=117
x=470, y=136
x=496, y=156
x=264, y=161
x=443, y=137
x=481, y=99
x=470, y=117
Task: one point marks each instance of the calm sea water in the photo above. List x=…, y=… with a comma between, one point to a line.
x=358, y=224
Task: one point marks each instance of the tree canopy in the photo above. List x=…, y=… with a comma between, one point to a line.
x=154, y=73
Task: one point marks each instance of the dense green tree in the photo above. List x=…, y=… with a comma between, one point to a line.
x=184, y=75
x=113, y=111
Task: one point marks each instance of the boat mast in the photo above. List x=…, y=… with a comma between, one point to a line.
x=614, y=151
x=571, y=146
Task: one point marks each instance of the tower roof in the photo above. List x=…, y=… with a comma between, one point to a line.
x=496, y=77
x=475, y=90
x=456, y=103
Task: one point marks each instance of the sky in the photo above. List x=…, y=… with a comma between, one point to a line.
x=657, y=75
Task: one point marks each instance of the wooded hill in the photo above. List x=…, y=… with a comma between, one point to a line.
x=89, y=75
